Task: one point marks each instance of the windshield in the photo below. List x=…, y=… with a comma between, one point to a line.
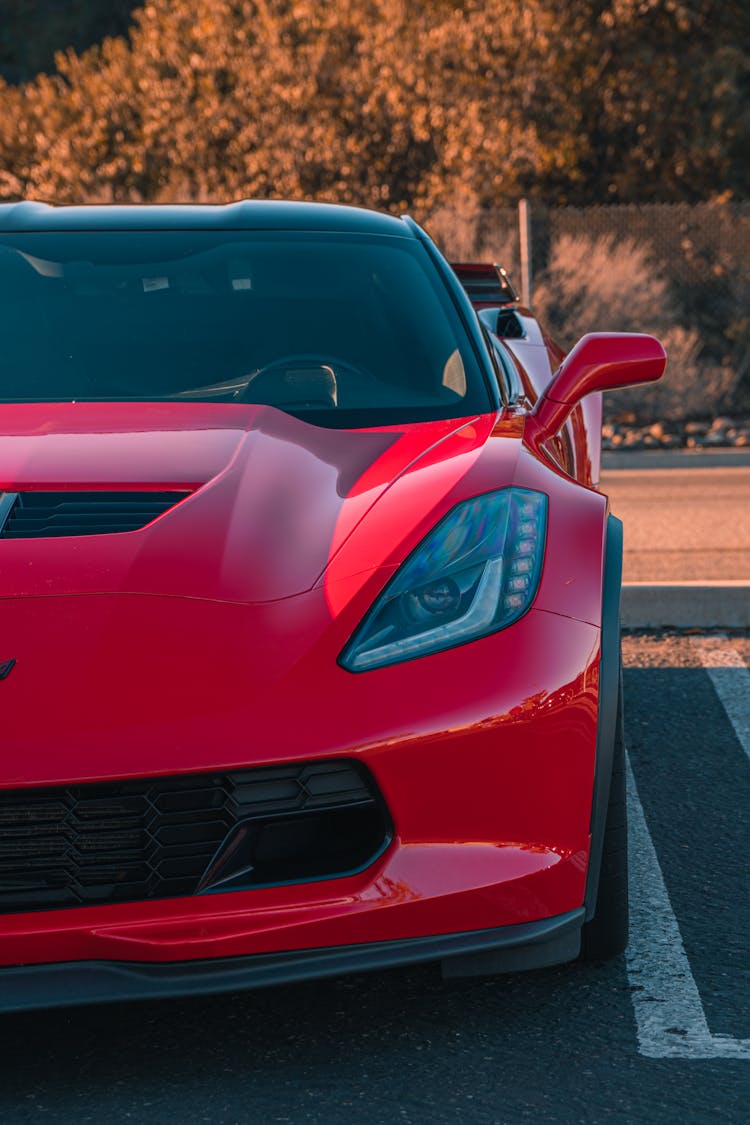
x=342, y=330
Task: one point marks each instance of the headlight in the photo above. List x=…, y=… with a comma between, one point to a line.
x=475, y=573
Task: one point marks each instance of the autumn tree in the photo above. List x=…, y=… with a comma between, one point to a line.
x=392, y=104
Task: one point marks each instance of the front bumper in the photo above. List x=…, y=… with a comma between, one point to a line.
x=532, y=945
x=484, y=757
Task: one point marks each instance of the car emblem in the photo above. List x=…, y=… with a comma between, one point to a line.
x=5, y=667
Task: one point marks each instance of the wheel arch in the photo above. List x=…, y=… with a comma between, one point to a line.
x=609, y=690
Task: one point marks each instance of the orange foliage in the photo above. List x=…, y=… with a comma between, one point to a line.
x=386, y=103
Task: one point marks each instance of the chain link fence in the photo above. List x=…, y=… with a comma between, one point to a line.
x=680, y=270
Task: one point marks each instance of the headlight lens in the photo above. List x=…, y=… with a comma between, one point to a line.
x=475, y=573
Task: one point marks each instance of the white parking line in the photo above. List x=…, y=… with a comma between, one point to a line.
x=731, y=680
x=669, y=1014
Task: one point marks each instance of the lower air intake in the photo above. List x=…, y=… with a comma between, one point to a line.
x=128, y=841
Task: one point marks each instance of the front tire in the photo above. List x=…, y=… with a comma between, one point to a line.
x=606, y=934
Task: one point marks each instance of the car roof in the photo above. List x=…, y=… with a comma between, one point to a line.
x=245, y=215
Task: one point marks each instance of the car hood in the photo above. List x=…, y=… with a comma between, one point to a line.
x=271, y=504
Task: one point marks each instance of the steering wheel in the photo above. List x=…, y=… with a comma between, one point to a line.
x=302, y=359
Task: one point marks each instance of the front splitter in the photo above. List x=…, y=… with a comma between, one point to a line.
x=530, y=945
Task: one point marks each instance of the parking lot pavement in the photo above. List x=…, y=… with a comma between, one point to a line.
x=687, y=537
x=683, y=524
x=656, y=1036
x=670, y=1015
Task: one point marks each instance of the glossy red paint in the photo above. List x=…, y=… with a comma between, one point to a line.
x=256, y=475
x=204, y=651
x=160, y=614
x=471, y=850
x=600, y=361
x=209, y=640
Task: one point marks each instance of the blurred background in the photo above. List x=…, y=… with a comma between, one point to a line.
x=625, y=125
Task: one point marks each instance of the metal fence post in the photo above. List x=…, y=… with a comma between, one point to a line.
x=524, y=238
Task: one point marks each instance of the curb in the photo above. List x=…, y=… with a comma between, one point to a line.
x=686, y=605
x=614, y=460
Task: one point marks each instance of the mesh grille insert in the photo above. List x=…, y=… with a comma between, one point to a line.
x=37, y=515
x=126, y=841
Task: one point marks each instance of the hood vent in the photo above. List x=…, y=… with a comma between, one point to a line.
x=509, y=326
x=42, y=515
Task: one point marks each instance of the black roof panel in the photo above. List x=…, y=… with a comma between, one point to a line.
x=246, y=215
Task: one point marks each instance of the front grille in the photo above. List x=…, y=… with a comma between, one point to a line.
x=126, y=841
x=41, y=515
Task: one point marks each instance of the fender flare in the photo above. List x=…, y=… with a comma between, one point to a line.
x=609, y=690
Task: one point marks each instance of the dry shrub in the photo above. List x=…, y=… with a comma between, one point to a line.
x=610, y=285
x=455, y=229
x=688, y=389
x=601, y=284
x=465, y=233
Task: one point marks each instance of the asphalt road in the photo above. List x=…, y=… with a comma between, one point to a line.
x=683, y=523
x=657, y=1036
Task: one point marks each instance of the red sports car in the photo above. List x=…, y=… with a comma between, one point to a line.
x=309, y=639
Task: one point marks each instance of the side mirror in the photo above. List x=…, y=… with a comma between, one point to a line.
x=600, y=361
